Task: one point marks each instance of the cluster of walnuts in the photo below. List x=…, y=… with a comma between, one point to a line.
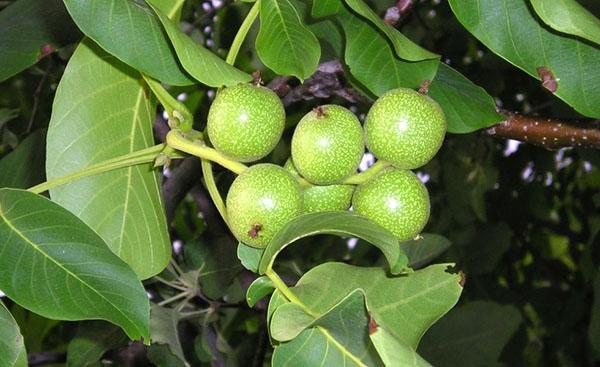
x=403, y=128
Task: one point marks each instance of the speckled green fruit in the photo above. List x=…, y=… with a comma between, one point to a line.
x=245, y=122
x=327, y=145
x=327, y=198
x=405, y=128
x=396, y=200
x=261, y=200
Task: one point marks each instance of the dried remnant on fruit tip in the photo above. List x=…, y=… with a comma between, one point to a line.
x=253, y=232
x=320, y=112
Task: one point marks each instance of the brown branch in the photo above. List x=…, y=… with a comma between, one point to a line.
x=548, y=133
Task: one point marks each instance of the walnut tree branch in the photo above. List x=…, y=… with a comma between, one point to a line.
x=548, y=133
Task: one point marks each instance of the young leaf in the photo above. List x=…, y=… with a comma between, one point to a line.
x=372, y=61
x=450, y=342
x=12, y=349
x=567, y=16
x=425, y=249
x=249, y=256
x=130, y=31
x=163, y=329
x=24, y=166
x=404, y=47
x=467, y=106
x=201, y=63
x=393, y=352
x=338, y=337
x=284, y=43
x=92, y=340
x=102, y=111
x=30, y=30
x=260, y=288
x=56, y=266
x=336, y=223
x=391, y=300
x=509, y=29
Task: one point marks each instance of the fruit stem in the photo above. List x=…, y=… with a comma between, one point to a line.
x=131, y=159
x=366, y=175
x=213, y=191
x=177, y=141
x=179, y=116
x=286, y=291
x=241, y=33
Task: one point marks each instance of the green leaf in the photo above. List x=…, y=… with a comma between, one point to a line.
x=340, y=224
x=391, y=300
x=216, y=264
x=102, y=111
x=395, y=353
x=92, y=340
x=12, y=349
x=259, y=289
x=338, y=337
x=249, y=256
x=426, y=248
x=491, y=242
x=54, y=265
x=284, y=44
x=161, y=356
x=201, y=63
x=373, y=62
x=289, y=320
x=467, y=106
x=404, y=47
x=24, y=166
x=163, y=329
x=473, y=334
x=132, y=33
x=510, y=30
x=29, y=25
x=569, y=17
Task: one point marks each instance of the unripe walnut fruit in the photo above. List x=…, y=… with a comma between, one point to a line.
x=396, y=200
x=245, y=122
x=405, y=128
x=327, y=145
x=261, y=200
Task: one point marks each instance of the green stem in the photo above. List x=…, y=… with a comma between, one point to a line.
x=176, y=140
x=365, y=176
x=174, y=298
x=241, y=33
x=138, y=157
x=179, y=116
x=213, y=191
x=286, y=291
x=178, y=4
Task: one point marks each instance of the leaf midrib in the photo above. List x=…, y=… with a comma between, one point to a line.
x=38, y=249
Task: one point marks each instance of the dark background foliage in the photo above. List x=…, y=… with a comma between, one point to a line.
x=523, y=221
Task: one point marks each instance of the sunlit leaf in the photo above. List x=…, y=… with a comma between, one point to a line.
x=568, y=16
x=131, y=32
x=51, y=263
x=510, y=29
x=260, y=288
x=101, y=111
x=284, y=43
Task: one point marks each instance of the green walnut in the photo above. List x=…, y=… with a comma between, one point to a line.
x=261, y=200
x=396, y=200
x=245, y=122
x=405, y=128
x=327, y=198
x=327, y=145
x=323, y=198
